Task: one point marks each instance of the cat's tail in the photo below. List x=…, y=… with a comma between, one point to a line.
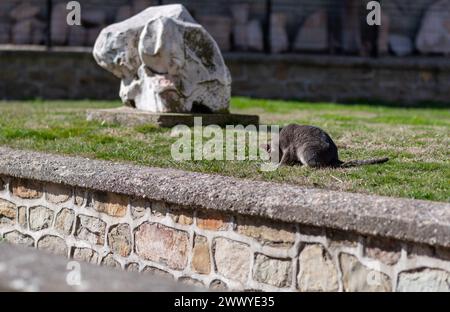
x=354, y=163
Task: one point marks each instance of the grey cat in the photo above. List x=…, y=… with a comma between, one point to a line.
x=313, y=147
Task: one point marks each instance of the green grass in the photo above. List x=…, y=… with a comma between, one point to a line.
x=416, y=140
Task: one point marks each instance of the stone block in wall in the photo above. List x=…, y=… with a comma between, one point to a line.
x=57, y=193
x=77, y=36
x=132, y=267
x=138, y=207
x=171, y=247
x=80, y=196
x=275, y=272
x=218, y=285
x=238, y=72
x=201, y=259
x=159, y=209
x=30, y=31
x=340, y=239
x=183, y=219
x=119, y=239
x=276, y=234
x=38, y=35
x=190, y=281
x=240, y=14
x=240, y=37
x=5, y=30
x=383, y=35
x=385, y=251
x=232, y=259
x=279, y=41
x=91, y=229
x=85, y=254
x=317, y=272
x=53, y=244
x=112, y=204
x=401, y=45
x=255, y=37
x=40, y=218
x=434, y=33
x=220, y=29
x=313, y=34
x=7, y=212
x=27, y=189
x=15, y=237
x=358, y=278
x=64, y=221
x=213, y=221
x=24, y=11
x=281, y=72
x=156, y=271
x=351, y=26
x=109, y=260
x=180, y=215
x=424, y=280
x=59, y=26
x=22, y=217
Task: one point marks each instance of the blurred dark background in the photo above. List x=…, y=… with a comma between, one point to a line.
x=309, y=50
x=265, y=26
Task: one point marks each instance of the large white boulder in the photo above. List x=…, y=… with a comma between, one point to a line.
x=166, y=61
x=434, y=33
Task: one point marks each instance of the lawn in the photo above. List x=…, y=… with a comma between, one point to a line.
x=416, y=140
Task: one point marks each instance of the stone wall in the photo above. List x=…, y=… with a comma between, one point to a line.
x=63, y=73
x=31, y=73
x=343, y=79
x=232, y=248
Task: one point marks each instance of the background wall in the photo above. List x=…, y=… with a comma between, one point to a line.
x=276, y=24
x=302, y=49
x=73, y=74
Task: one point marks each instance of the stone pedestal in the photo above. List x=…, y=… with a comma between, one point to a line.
x=133, y=117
